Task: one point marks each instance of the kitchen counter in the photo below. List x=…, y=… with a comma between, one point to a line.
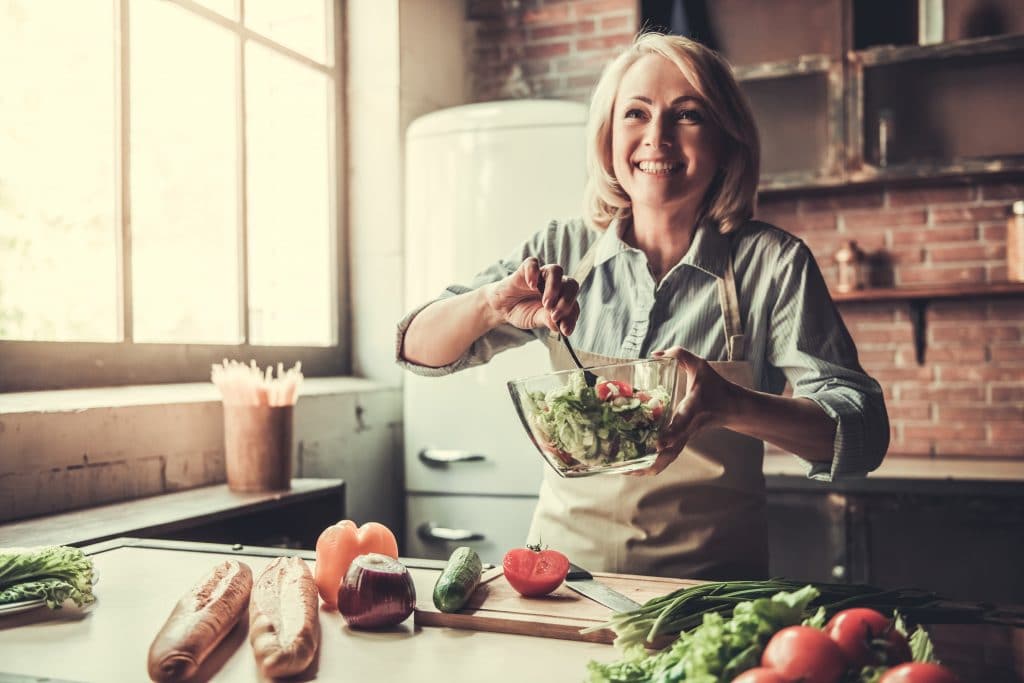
x=138, y=586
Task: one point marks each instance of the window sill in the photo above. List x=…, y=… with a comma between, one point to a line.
x=76, y=400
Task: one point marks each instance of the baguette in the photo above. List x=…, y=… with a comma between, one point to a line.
x=199, y=621
x=284, y=618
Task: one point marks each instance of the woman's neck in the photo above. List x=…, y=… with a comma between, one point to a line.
x=664, y=236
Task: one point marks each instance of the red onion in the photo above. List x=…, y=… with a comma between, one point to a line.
x=377, y=592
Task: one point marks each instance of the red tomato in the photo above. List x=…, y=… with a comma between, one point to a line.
x=760, y=675
x=805, y=654
x=534, y=572
x=919, y=672
x=613, y=388
x=868, y=637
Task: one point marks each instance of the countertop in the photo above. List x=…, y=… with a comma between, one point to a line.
x=108, y=641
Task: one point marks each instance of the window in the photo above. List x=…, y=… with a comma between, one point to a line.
x=169, y=191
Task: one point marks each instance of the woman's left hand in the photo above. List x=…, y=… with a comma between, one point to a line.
x=709, y=401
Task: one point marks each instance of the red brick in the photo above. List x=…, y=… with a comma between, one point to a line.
x=604, y=42
x=940, y=392
x=910, y=450
x=1006, y=353
x=906, y=376
x=1007, y=309
x=592, y=7
x=618, y=23
x=1010, y=191
x=875, y=219
x=1010, y=394
x=561, y=30
x=833, y=200
x=874, y=359
x=802, y=222
x=975, y=449
x=910, y=410
x=945, y=311
x=882, y=335
x=546, y=50
x=958, y=354
x=975, y=334
x=1001, y=431
x=972, y=213
x=981, y=374
x=549, y=14
x=913, y=275
x=967, y=252
x=932, y=235
x=862, y=315
x=931, y=195
x=993, y=232
x=906, y=255
x=952, y=412
x=945, y=432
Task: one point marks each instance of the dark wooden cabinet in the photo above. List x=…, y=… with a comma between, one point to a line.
x=961, y=539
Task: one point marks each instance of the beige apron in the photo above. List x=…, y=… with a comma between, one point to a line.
x=702, y=517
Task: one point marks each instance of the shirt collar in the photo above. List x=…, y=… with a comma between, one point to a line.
x=708, y=252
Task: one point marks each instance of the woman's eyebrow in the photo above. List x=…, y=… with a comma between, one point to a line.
x=682, y=98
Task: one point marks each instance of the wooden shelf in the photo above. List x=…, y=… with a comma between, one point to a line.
x=806, y=64
x=931, y=292
x=918, y=298
x=890, y=54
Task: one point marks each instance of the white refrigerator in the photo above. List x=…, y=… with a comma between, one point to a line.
x=480, y=179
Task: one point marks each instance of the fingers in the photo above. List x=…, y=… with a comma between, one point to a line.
x=559, y=299
x=531, y=273
x=681, y=355
x=663, y=460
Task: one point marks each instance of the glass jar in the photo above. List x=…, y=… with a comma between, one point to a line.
x=850, y=261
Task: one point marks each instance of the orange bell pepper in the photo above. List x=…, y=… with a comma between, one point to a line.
x=343, y=542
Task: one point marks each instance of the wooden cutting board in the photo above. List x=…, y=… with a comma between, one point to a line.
x=495, y=606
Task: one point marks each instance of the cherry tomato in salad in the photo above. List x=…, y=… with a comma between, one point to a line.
x=534, y=572
x=919, y=672
x=612, y=389
x=868, y=637
x=805, y=654
x=656, y=408
x=761, y=675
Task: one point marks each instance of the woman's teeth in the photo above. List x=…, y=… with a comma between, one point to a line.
x=658, y=167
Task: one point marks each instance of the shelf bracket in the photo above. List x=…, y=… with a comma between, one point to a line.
x=918, y=310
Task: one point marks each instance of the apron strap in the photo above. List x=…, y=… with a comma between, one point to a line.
x=735, y=342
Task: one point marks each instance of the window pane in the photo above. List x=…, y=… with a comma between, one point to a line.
x=298, y=24
x=225, y=8
x=291, y=244
x=184, y=177
x=58, y=254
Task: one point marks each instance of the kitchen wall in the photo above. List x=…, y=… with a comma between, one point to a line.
x=965, y=404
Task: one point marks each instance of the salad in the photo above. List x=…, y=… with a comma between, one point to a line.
x=607, y=424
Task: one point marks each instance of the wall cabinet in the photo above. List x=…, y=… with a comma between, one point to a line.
x=845, y=92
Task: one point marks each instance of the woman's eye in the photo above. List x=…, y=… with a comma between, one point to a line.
x=634, y=114
x=690, y=116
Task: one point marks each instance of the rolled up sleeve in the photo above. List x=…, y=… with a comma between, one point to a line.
x=810, y=344
x=499, y=339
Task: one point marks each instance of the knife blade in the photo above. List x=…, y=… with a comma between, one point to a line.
x=582, y=581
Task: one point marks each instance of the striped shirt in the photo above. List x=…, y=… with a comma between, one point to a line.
x=793, y=331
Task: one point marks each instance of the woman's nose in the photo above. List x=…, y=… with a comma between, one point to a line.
x=657, y=136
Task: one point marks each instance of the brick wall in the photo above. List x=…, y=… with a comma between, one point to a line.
x=967, y=399
x=559, y=46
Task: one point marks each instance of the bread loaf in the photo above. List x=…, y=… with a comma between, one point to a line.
x=199, y=621
x=284, y=618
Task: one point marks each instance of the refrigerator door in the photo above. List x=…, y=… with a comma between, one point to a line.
x=480, y=180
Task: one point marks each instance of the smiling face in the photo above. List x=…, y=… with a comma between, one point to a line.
x=665, y=146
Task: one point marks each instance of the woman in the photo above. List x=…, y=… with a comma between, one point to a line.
x=669, y=263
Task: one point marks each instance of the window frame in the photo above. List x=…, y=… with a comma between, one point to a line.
x=45, y=365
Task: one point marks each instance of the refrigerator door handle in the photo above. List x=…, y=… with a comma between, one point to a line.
x=431, y=533
x=442, y=457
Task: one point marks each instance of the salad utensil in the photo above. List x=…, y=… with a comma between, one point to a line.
x=588, y=377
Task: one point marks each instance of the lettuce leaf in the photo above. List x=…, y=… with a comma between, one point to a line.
x=53, y=573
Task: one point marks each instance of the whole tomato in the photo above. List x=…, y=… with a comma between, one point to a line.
x=761, y=675
x=919, y=672
x=804, y=654
x=868, y=637
x=534, y=572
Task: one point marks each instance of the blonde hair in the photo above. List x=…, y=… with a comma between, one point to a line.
x=729, y=201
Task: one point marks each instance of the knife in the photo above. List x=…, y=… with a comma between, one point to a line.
x=582, y=581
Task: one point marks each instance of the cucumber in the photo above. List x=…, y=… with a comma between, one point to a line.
x=458, y=580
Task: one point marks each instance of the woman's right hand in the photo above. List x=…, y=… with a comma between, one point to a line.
x=536, y=296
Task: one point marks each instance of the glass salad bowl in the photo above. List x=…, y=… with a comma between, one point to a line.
x=611, y=427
